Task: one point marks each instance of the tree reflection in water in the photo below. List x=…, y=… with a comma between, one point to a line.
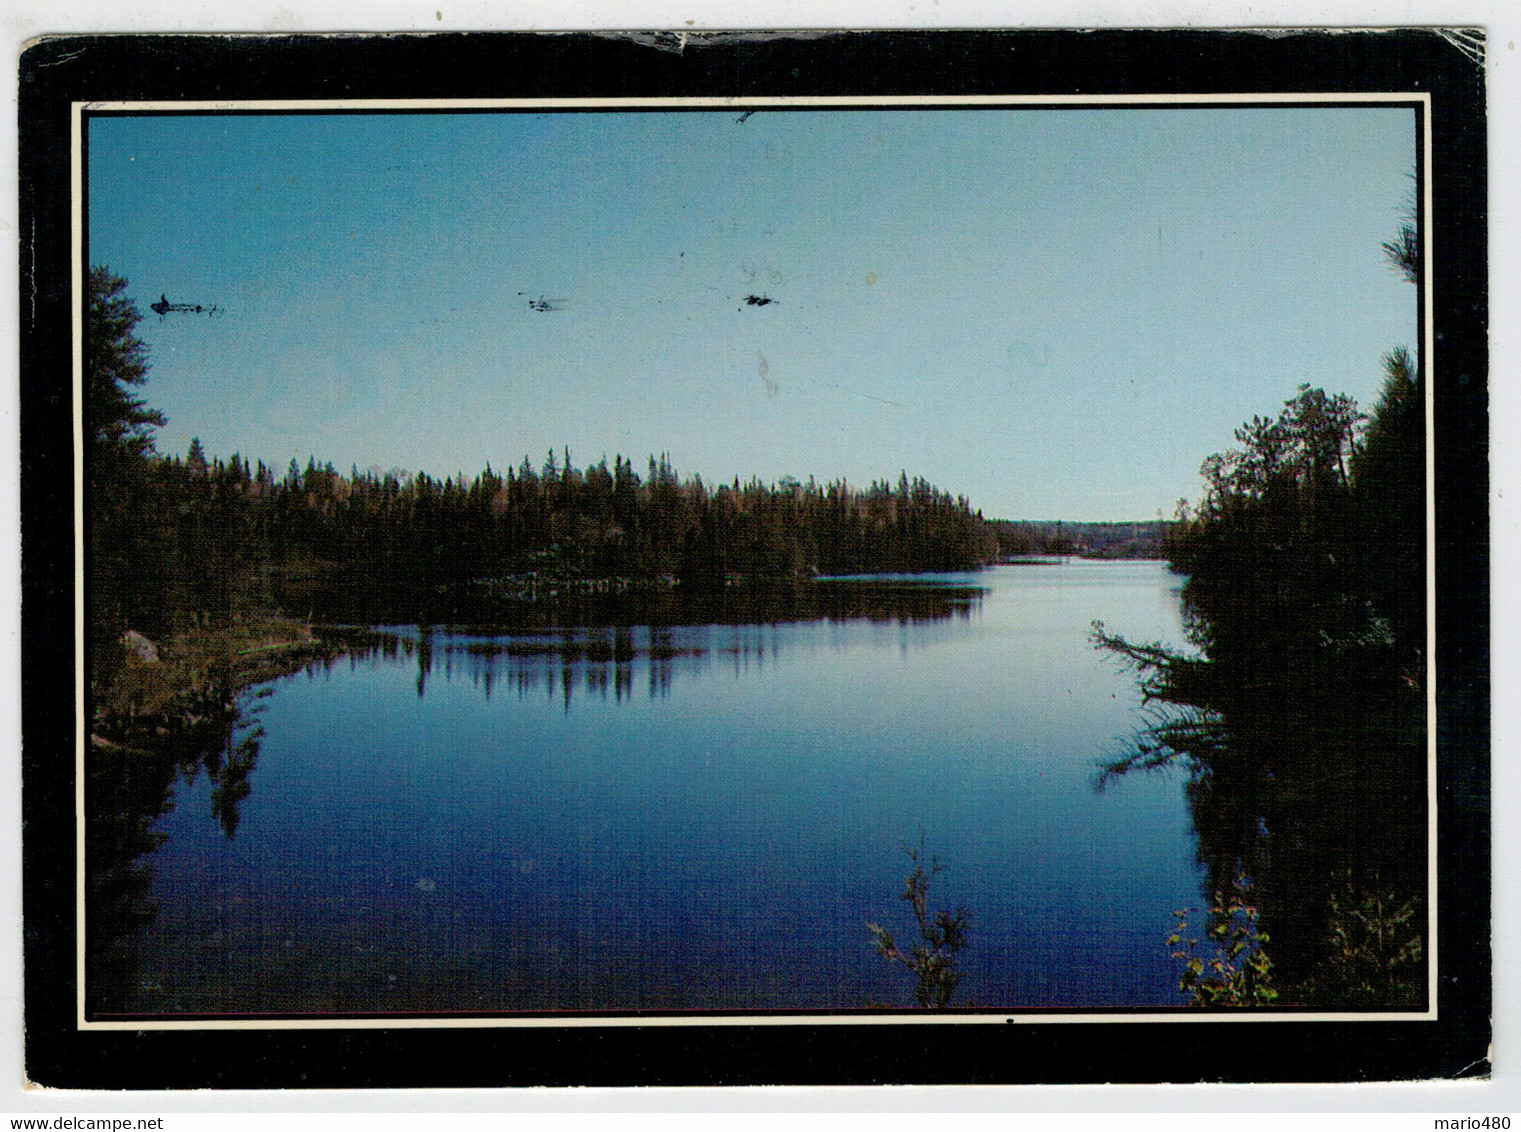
x=1306, y=765
x=139, y=757
x=133, y=764
x=569, y=648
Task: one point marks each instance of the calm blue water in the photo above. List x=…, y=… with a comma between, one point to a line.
x=693, y=817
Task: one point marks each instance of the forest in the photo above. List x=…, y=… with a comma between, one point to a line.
x=1026, y=538
x=192, y=542
x=1299, y=716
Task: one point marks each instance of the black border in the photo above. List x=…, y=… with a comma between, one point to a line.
x=57, y=71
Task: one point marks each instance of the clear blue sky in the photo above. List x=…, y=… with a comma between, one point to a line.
x=1058, y=313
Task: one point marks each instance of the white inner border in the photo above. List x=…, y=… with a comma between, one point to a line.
x=78, y=110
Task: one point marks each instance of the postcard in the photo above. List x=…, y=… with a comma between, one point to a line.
x=672, y=558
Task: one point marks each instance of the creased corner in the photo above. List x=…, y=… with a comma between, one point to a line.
x=1470, y=41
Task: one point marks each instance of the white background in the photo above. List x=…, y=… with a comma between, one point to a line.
x=1402, y=1106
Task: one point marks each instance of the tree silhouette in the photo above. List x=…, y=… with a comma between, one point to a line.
x=119, y=438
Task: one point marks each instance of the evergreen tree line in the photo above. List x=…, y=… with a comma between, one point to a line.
x=1319, y=514
x=204, y=539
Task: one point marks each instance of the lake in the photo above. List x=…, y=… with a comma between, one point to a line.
x=695, y=813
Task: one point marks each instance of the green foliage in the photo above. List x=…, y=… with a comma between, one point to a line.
x=235, y=538
x=931, y=957
x=1371, y=957
x=1234, y=970
x=1404, y=251
x=1375, y=952
x=115, y=360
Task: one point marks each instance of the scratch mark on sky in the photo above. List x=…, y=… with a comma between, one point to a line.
x=772, y=388
x=858, y=393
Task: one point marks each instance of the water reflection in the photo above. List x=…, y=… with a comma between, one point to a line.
x=675, y=814
x=593, y=663
x=1306, y=771
x=601, y=657
x=134, y=764
x=139, y=762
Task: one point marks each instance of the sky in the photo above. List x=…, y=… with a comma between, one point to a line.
x=1056, y=313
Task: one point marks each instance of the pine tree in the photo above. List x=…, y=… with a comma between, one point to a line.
x=122, y=563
